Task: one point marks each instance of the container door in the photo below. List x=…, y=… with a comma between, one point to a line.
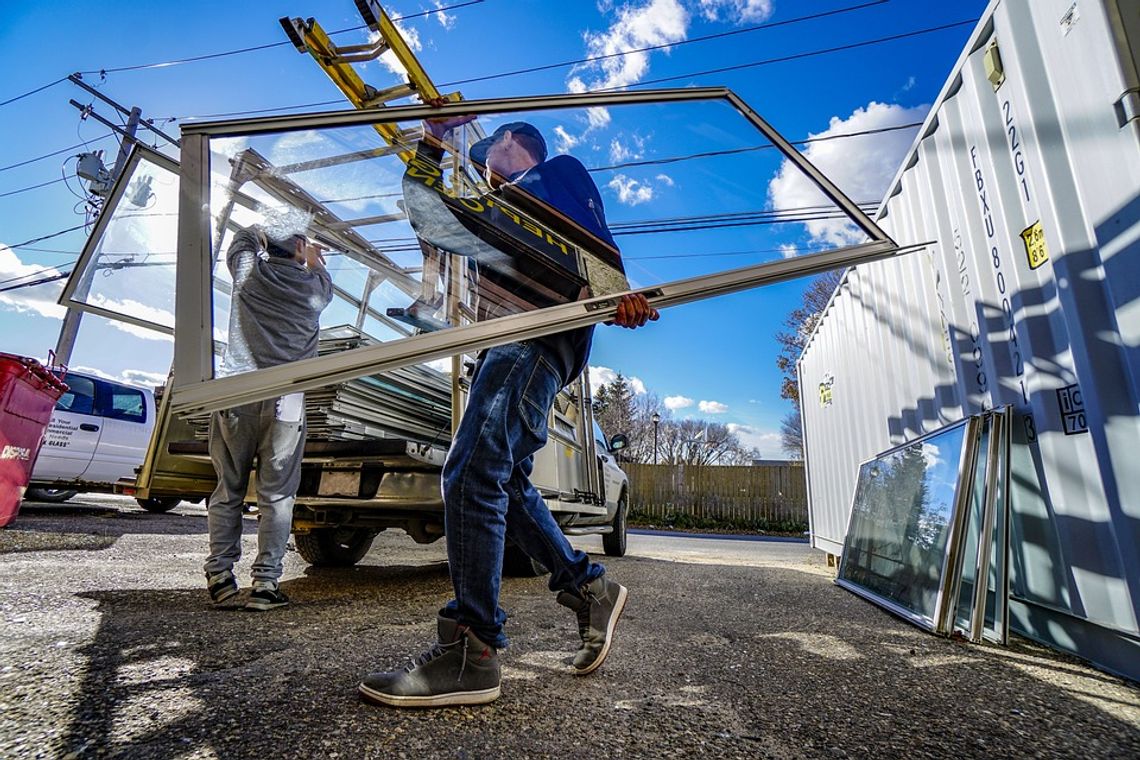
x=72, y=434
x=126, y=431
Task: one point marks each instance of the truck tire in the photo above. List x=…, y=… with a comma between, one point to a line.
x=159, y=504
x=614, y=543
x=518, y=564
x=50, y=495
x=334, y=547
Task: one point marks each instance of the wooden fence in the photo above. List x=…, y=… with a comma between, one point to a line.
x=770, y=493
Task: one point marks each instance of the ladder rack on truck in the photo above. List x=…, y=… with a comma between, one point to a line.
x=350, y=489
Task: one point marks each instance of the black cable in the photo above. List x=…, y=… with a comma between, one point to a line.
x=797, y=56
x=35, y=272
x=705, y=38
x=33, y=92
x=53, y=153
x=32, y=187
x=266, y=46
x=46, y=237
x=53, y=278
x=767, y=146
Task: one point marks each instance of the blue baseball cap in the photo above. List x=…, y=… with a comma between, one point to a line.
x=479, y=150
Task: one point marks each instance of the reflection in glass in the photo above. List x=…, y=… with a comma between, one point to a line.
x=421, y=236
x=131, y=271
x=901, y=523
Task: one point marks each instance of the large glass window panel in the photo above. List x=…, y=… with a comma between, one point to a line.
x=902, y=523
x=627, y=196
x=127, y=268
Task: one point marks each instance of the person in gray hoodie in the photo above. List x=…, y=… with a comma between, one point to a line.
x=280, y=289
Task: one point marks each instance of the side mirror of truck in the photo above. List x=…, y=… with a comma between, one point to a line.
x=618, y=442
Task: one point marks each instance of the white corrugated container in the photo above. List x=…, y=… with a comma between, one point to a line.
x=1026, y=177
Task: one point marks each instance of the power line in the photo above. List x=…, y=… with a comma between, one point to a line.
x=783, y=59
x=797, y=56
x=705, y=38
x=33, y=273
x=734, y=151
x=32, y=187
x=46, y=237
x=33, y=92
x=53, y=153
x=267, y=46
x=53, y=278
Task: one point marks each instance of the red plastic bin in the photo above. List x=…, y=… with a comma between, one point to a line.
x=28, y=392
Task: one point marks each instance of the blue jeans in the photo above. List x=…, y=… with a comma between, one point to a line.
x=487, y=493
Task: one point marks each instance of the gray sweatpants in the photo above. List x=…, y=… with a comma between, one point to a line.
x=273, y=431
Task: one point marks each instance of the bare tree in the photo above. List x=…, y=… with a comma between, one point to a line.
x=792, y=435
x=801, y=322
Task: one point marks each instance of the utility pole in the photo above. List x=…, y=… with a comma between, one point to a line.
x=71, y=321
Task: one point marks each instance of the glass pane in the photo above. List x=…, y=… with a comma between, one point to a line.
x=901, y=521
x=80, y=396
x=132, y=269
x=974, y=520
x=554, y=206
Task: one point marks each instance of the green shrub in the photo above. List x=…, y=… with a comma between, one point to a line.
x=684, y=521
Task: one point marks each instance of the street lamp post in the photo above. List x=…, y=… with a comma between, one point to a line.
x=656, y=419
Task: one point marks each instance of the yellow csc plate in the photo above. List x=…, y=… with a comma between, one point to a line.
x=1034, y=238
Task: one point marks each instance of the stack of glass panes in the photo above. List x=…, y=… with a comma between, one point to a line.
x=928, y=536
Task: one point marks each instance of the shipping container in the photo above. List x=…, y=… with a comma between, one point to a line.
x=1025, y=182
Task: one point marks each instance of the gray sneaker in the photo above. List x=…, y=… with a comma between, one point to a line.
x=458, y=670
x=222, y=586
x=598, y=607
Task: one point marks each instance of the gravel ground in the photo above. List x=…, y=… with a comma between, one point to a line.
x=111, y=650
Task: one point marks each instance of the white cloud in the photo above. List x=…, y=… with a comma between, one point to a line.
x=632, y=149
x=566, y=141
x=600, y=376
x=657, y=22
x=137, y=377
x=712, y=407
x=861, y=166
x=768, y=443
x=673, y=403
x=788, y=250
x=138, y=310
x=445, y=20
x=736, y=10
x=630, y=191
x=665, y=179
x=40, y=299
x=411, y=35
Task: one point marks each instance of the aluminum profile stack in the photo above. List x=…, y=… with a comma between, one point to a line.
x=413, y=402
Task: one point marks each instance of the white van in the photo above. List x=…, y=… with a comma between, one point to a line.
x=97, y=435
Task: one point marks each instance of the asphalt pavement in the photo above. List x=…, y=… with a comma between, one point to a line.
x=727, y=649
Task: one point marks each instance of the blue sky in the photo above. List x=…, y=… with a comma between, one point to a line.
x=713, y=360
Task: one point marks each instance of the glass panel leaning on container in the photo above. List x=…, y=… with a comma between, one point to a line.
x=929, y=519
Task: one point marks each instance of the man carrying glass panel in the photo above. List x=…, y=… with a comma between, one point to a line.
x=487, y=493
x=280, y=289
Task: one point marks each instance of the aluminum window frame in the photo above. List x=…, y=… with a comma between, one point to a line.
x=138, y=154
x=942, y=619
x=194, y=387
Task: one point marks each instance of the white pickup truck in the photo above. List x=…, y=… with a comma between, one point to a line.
x=98, y=434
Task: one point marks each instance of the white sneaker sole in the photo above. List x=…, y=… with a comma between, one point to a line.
x=478, y=697
x=623, y=593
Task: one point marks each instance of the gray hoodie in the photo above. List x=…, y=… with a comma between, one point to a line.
x=275, y=308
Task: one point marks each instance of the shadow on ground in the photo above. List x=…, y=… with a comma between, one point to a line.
x=721, y=661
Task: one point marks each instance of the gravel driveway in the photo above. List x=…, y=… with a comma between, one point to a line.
x=111, y=650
